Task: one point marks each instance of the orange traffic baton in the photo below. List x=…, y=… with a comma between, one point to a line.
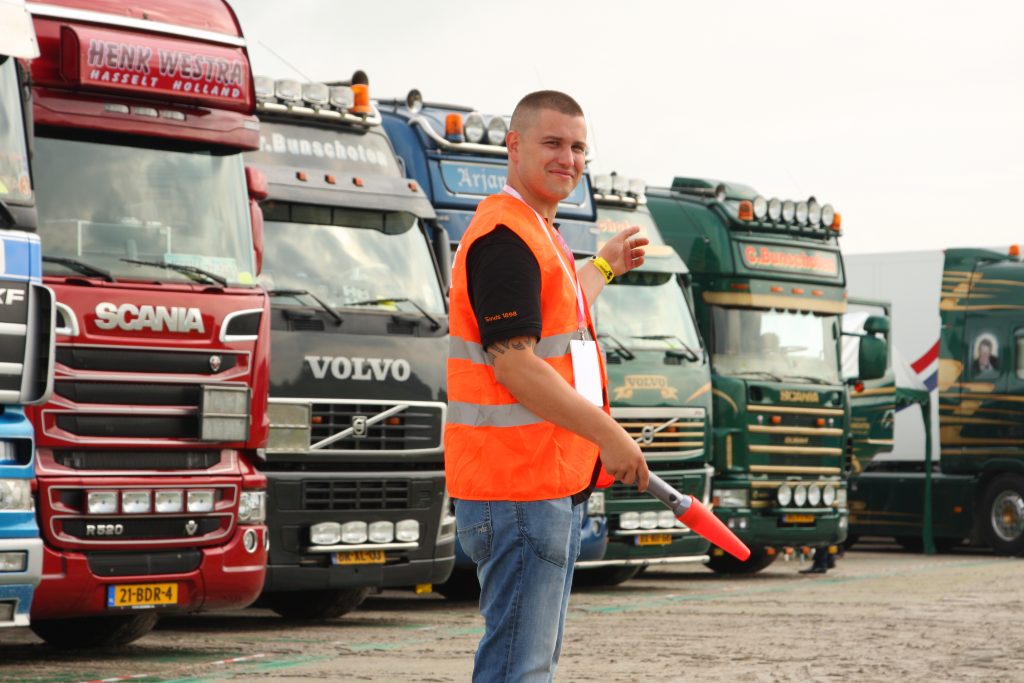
x=697, y=517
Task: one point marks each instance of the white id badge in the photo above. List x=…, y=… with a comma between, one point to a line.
x=587, y=370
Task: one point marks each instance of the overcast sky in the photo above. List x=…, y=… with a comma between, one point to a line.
x=907, y=116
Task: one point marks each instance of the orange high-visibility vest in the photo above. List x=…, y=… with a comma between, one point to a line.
x=494, y=448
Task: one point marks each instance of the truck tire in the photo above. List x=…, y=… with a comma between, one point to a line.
x=94, y=631
x=605, y=576
x=727, y=564
x=1002, y=514
x=462, y=585
x=327, y=604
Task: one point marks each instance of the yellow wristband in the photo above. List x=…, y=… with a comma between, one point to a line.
x=606, y=269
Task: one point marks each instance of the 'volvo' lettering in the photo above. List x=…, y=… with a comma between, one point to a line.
x=130, y=317
x=360, y=369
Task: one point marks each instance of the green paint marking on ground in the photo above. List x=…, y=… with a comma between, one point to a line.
x=254, y=666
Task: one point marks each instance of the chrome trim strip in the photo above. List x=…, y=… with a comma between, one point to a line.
x=93, y=17
x=224, y=337
x=411, y=545
x=659, y=413
x=11, y=368
x=643, y=562
x=800, y=431
x=13, y=329
x=835, y=412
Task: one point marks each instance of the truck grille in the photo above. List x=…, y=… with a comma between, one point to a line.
x=686, y=434
x=356, y=494
x=137, y=460
x=416, y=428
x=682, y=482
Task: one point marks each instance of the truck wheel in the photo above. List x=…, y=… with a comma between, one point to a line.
x=727, y=564
x=94, y=631
x=462, y=585
x=604, y=576
x=1002, y=507
x=316, y=604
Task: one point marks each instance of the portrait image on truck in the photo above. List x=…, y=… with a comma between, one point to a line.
x=960, y=328
x=769, y=287
x=659, y=384
x=458, y=157
x=148, y=497
x=26, y=324
x=359, y=326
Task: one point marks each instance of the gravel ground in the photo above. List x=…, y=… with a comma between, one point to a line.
x=882, y=615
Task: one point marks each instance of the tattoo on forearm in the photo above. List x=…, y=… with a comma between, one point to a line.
x=499, y=348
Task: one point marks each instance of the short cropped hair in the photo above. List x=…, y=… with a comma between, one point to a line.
x=544, y=99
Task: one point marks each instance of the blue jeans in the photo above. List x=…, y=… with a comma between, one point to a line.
x=524, y=555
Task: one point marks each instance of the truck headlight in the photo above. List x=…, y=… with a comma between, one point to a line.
x=290, y=427
x=731, y=498
x=800, y=495
x=629, y=520
x=814, y=496
x=100, y=502
x=354, y=532
x=252, y=507
x=595, y=504
x=136, y=502
x=16, y=561
x=784, y=495
x=649, y=520
x=666, y=520
x=169, y=501
x=828, y=495
x=325, y=533
x=200, y=500
x=407, y=530
x=224, y=413
x=382, y=532
x=15, y=494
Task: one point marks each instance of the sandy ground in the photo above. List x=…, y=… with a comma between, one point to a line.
x=882, y=615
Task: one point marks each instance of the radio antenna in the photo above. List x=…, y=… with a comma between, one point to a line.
x=285, y=61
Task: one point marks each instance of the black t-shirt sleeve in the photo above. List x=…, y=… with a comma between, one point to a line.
x=504, y=287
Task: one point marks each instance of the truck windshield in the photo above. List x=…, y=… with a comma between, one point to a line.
x=774, y=344
x=113, y=205
x=647, y=311
x=14, y=179
x=349, y=257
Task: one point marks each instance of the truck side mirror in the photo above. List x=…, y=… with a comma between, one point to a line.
x=872, y=356
x=876, y=324
x=256, y=218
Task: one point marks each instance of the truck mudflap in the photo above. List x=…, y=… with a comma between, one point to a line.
x=230, y=576
x=16, y=588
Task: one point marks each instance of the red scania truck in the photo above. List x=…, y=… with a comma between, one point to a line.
x=148, y=497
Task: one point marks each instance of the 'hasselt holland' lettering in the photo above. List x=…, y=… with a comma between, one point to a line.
x=130, y=317
x=360, y=369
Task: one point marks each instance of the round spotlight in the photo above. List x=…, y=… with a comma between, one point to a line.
x=414, y=101
x=474, y=127
x=775, y=209
x=497, y=129
x=785, y=495
x=813, y=213
x=814, y=496
x=801, y=213
x=760, y=208
x=828, y=216
x=788, y=211
x=828, y=496
x=800, y=496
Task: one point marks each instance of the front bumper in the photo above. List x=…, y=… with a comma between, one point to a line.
x=224, y=577
x=18, y=587
x=767, y=527
x=296, y=565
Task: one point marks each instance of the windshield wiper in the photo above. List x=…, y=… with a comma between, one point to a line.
x=182, y=268
x=762, y=373
x=690, y=354
x=812, y=380
x=296, y=293
x=619, y=346
x=81, y=266
x=391, y=299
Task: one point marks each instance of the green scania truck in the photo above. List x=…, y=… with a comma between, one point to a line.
x=659, y=384
x=960, y=328
x=769, y=290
